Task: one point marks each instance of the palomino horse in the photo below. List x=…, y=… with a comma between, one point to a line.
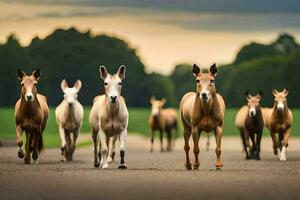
x=109, y=117
x=162, y=120
x=69, y=116
x=249, y=121
x=202, y=110
x=31, y=114
x=279, y=119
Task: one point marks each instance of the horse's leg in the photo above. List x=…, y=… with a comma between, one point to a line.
x=152, y=140
x=19, y=132
x=252, y=149
x=104, y=149
x=218, y=134
x=258, y=140
x=187, y=134
x=286, y=137
x=35, y=146
x=196, y=135
x=112, y=149
x=208, y=142
x=244, y=140
x=75, y=136
x=123, y=137
x=68, y=155
x=63, y=142
x=95, y=141
x=161, y=140
x=169, y=137
x=27, y=148
x=276, y=149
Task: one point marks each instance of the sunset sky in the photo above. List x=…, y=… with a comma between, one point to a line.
x=165, y=34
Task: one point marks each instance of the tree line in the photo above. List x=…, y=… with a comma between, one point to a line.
x=72, y=54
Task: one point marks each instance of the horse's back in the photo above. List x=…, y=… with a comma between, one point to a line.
x=186, y=107
x=170, y=116
x=45, y=109
x=221, y=103
x=241, y=116
x=98, y=104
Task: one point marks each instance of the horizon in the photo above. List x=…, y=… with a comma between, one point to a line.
x=163, y=37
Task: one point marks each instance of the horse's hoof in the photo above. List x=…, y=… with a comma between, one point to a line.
x=34, y=155
x=21, y=154
x=218, y=168
x=122, y=166
x=104, y=166
x=188, y=166
x=36, y=162
x=96, y=165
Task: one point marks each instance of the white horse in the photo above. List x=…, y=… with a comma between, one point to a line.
x=69, y=117
x=109, y=117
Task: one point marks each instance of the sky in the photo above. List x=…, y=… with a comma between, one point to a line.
x=164, y=32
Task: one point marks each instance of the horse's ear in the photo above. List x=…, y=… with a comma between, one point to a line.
x=163, y=101
x=274, y=92
x=77, y=85
x=63, y=84
x=213, y=70
x=20, y=74
x=196, y=70
x=103, y=72
x=247, y=94
x=260, y=94
x=286, y=91
x=121, y=72
x=36, y=73
x=152, y=99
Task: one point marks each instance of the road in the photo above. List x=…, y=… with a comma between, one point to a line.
x=153, y=175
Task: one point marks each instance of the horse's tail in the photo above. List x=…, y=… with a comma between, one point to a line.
x=40, y=144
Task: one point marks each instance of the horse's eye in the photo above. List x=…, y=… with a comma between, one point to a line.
x=22, y=84
x=105, y=83
x=198, y=81
x=120, y=83
x=212, y=82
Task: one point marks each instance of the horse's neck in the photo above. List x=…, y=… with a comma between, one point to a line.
x=280, y=116
x=112, y=109
x=29, y=108
x=206, y=108
x=258, y=117
x=70, y=112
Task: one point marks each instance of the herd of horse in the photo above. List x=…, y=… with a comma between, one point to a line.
x=200, y=111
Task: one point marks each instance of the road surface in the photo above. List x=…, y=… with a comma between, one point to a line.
x=153, y=175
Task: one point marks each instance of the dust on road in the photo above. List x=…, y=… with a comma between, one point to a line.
x=153, y=175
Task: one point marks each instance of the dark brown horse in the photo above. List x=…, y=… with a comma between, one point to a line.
x=249, y=120
x=31, y=114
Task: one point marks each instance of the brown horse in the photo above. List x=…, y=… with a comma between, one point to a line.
x=31, y=114
x=279, y=119
x=162, y=120
x=249, y=121
x=202, y=110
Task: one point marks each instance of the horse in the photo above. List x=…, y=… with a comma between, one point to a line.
x=162, y=120
x=69, y=117
x=202, y=110
x=249, y=121
x=31, y=114
x=279, y=119
x=109, y=117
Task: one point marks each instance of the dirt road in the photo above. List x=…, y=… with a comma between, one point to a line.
x=153, y=175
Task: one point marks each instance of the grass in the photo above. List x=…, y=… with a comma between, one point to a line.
x=138, y=123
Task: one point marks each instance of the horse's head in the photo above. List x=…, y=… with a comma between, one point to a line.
x=253, y=103
x=70, y=94
x=205, y=82
x=280, y=100
x=28, y=84
x=156, y=106
x=112, y=83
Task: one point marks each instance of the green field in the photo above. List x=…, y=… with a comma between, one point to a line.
x=138, y=123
